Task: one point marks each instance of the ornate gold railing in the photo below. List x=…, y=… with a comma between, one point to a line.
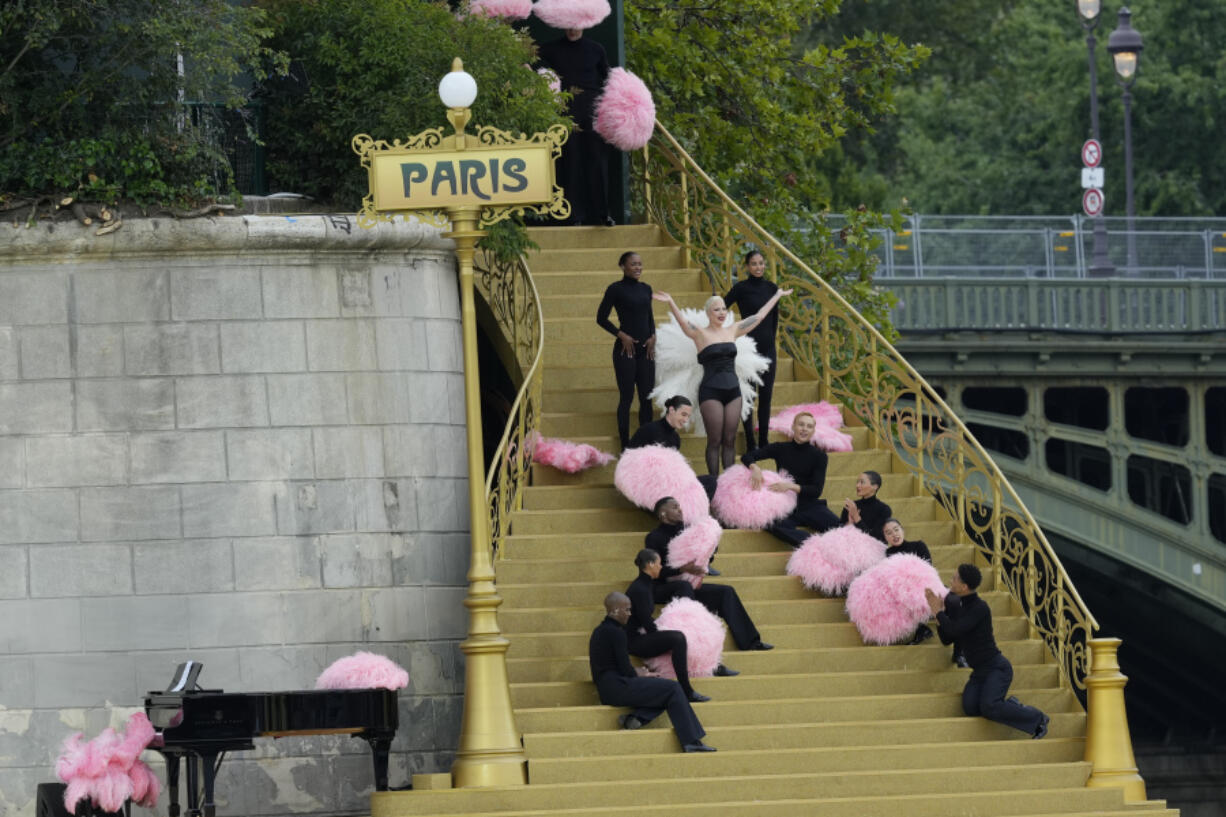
x=858, y=367
x=511, y=295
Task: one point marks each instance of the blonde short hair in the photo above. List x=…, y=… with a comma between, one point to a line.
x=707, y=306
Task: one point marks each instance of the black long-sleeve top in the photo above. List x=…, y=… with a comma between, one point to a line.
x=804, y=462
x=657, y=432
x=608, y=651
x=642, y=605
x=632, y=300
x=751, y=294
x=582, y=66
x=658, y=540
x=873, y=515
x=971, y=627
x=916, y=548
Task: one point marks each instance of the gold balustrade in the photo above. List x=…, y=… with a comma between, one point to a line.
x=856, y=366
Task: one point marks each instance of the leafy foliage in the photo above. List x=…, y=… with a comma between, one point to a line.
x=763, y=113
x=91, y=95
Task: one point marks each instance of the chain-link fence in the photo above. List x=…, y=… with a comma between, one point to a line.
x=1052, y=247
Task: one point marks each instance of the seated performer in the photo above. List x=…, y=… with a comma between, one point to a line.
x=620, y=684
x=720, y=599
x=991, y=673
x=867, y=512
x=895, y=538
x=643, y=638
x=806, y=463
x=677, y=412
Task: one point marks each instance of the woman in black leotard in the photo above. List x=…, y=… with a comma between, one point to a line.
x=719, y=393
x=748, y=295
x=634, y=353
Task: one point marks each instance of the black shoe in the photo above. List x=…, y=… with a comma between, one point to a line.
x=697, y=697
x=921, y=635
x=698, y=746
x=713, y=572
x=961, y=661
x=1013, y=699
x=761, y=645
x=629, y=721
x=723, y=672
x=609, y=222
x=1040, y=731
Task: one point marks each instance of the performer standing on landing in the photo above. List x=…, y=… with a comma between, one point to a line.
x=991, y=673
x=719, y=393
x=749, y=295
x=634, y=353
x=806, y=463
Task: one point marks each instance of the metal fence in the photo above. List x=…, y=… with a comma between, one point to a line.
x=1051, y=247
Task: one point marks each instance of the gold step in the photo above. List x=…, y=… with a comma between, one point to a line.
x=603, y=261
x=603, y=396
x=600, y=376
x=620, y=237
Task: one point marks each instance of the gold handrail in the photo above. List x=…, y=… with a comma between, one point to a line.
x=511, y=294
x=857, y=366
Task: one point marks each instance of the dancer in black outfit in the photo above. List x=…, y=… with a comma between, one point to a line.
x=619, y=684
x=806, y=463
x=720, y=599
x=583, y=168
x=991, y=673
x=896, y=541
x=645, y=640
x=677, y=412
x=867, y=512
x=634, y=353
x=749, y=295
x=719, y=393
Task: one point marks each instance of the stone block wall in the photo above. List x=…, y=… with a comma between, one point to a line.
x=236, y=440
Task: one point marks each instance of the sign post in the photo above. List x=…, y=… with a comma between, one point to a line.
x=1092, y=198
x=465, y=183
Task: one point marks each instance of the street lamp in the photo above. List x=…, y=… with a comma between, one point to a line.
x=1124, y=45
x=1088, y=12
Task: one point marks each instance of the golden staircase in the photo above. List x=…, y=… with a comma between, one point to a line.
x=821, y=725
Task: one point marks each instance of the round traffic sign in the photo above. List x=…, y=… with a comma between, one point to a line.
x=1092, y=153
x=1092, y=202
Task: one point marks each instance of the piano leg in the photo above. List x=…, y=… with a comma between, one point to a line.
x=172, y=784
x=193, y=785
x=380, y=748
x=208, y=761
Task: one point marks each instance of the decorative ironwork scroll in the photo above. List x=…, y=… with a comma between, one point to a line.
x=856, y=366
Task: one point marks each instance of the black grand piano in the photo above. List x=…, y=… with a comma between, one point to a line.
x=201, y=725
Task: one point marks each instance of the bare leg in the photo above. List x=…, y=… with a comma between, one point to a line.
x=732, y=416
x=713, y=418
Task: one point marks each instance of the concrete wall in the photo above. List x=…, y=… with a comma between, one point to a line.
x=238, y=440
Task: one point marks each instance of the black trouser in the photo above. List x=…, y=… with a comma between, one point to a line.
x=762, y=408
x=649, y=645
x=650, y=697
x=721, y=599
x=812, y=514
x=636, y=373
x=583, y=175
x=984, y=694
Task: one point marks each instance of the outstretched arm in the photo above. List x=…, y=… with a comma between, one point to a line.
x=746, y=326
x=690, y=330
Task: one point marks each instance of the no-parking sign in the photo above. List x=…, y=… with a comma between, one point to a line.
x=1091, y=153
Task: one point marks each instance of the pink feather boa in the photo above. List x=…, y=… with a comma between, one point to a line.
x=704, y=636
x=739, y=505
x=502, y=9
x=566, y=14
x=829, y=561
x=887, y=602
x=363, y=670
x=567, y=456
x=108, y=770
x=625, y=113
x=826, y=435
x=697, y=543
x=647, y=475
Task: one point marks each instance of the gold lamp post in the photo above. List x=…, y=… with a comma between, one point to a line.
x=464, y=182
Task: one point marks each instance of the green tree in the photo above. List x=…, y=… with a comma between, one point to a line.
x=92, y=95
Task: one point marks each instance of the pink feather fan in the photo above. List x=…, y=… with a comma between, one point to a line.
x=567, y=456
x=887, y=602
x=502, y=9
x=829, y=561
x=566, y=14
x=625, y=113
x=739, y=505
x=828, y=418
x=697, y=543
x=704, y=636
x=107, y=771
x=363, y=670
x=646, y=475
